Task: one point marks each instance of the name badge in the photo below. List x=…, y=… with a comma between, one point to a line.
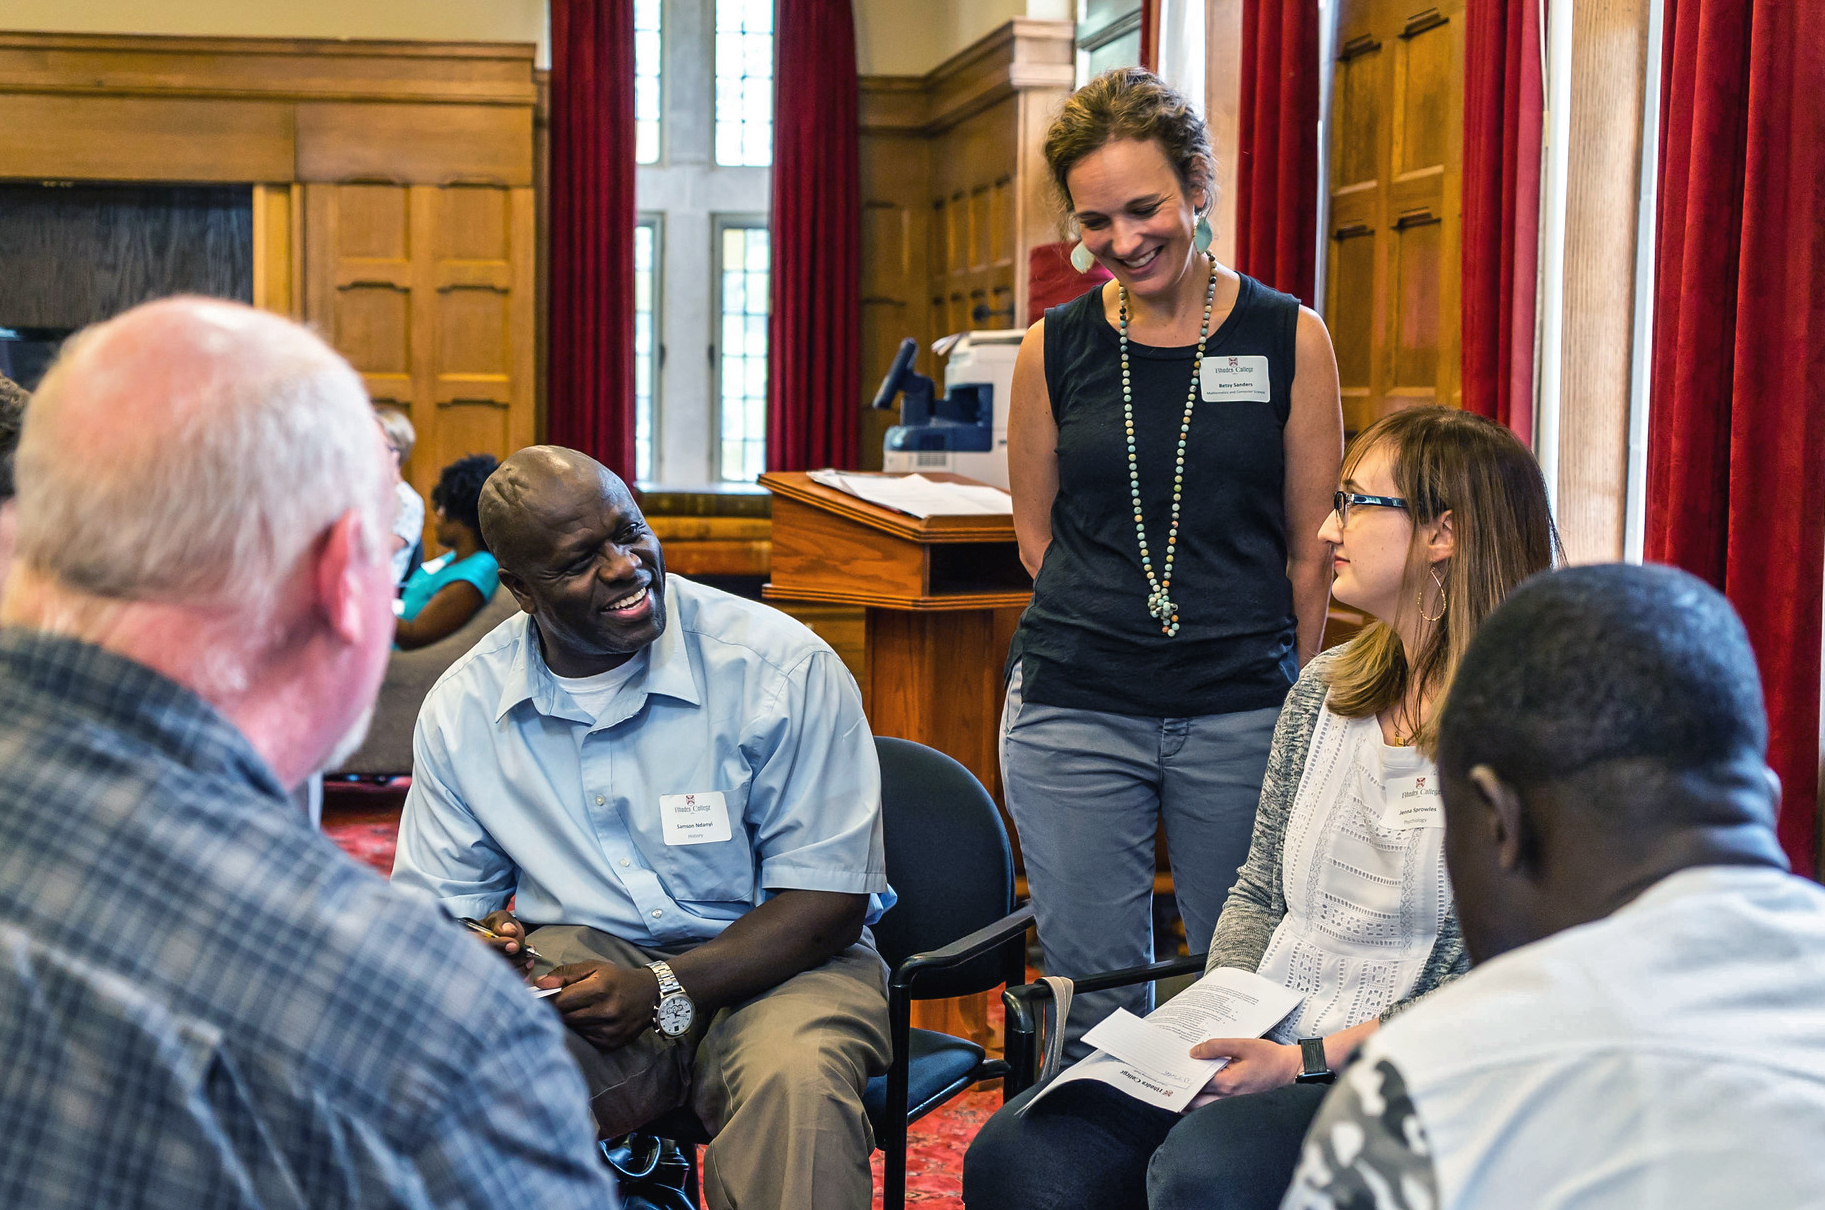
x=1235, y=379
x=1413, y=802
x=701, y=818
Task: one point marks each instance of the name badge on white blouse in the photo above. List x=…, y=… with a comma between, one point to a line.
x=700, y=818
x=1413, y=802
x=1235, y=379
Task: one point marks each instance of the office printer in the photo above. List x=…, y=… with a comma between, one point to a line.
x=965, y=432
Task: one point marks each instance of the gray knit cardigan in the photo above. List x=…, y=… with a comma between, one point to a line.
x=1257, y=902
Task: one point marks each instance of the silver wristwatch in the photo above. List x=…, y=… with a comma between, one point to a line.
x=675, y=1012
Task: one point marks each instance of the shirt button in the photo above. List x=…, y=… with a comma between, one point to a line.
x=624, y=862
x=600, y=800
x=657, y=913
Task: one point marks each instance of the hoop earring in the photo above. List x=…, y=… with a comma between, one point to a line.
x=1443, y=604
x=1201, y=236
x=1081, y=259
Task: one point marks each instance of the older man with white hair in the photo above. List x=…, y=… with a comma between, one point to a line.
x=202, y=1002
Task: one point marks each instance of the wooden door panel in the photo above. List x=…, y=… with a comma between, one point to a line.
x=1356, y=114
x=1425, y=95
x=1391, y=297
x=473, y=223
x=428, y=291
x=373, y=327
x=1417, y=268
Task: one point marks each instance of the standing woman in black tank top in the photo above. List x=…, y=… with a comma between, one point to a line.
x=1173, y=441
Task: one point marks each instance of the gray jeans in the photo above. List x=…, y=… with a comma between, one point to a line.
x=1087, y=791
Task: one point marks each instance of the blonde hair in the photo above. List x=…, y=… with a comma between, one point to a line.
x=1129, y=103
x=400, y=433
x=1443, y=460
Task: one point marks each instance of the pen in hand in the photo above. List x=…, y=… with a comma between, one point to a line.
x=476, y=926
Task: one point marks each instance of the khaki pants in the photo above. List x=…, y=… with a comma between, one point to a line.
x=776, y=1080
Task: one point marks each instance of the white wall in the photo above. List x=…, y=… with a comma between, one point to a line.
x=417, y=20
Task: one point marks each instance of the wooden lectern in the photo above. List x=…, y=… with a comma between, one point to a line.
x=942, y=597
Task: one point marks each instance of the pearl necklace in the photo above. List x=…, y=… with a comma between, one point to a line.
x=1159, y=602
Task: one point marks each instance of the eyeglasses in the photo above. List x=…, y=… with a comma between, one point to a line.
x=1342, y=502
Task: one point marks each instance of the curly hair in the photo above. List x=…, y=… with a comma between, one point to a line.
x=459, y=489
x=13, y=399
x=1129, y=103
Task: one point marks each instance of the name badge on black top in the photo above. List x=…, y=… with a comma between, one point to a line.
x=1238, y=379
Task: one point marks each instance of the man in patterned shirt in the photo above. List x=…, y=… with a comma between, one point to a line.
x=1645, y=1025
x=203, y=1004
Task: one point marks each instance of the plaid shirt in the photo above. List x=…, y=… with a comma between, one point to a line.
x=203, y=1003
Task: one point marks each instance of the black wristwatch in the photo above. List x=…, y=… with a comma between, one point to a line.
x=1317, y=1069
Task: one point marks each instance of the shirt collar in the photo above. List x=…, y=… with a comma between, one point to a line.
x=667, y=672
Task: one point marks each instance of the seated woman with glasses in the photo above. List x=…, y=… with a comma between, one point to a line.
x=441, y=596
x=1344, y=896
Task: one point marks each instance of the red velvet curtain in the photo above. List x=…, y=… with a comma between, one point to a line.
x=1277, y=162
x=1500, y=257
x=814, y=341
x=590, y=368
x=1736, y=448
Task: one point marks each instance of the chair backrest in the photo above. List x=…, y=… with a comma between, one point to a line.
x=948, y=859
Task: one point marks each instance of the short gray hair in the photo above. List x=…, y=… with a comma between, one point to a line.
x=241, y=438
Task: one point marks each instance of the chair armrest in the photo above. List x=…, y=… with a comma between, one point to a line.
x=1121, y=978
x=980, y=942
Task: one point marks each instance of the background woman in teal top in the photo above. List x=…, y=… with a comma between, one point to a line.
x=447, y=591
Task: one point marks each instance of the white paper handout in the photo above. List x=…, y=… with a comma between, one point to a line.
x=917, y=495
x=1150, y=1059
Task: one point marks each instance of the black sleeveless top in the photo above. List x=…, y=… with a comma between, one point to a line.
x=1087, y=640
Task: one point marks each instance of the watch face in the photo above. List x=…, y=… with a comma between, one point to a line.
x=675, y=1013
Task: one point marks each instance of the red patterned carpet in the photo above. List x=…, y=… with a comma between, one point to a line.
x=364, y=821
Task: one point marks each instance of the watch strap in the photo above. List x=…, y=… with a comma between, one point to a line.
x=668, y=982
x=1317, y=1068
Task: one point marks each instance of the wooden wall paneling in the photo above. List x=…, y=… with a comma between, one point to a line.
x=278, y=277
x=330, y=69
x=429, y=144
x=166, y=139
x=954, y=194
x=1609, y=57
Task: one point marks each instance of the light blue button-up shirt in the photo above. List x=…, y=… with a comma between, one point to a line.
x=517, y=790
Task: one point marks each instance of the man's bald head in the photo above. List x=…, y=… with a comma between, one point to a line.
x=533, y=489
x=189, y=451
x=577, y=555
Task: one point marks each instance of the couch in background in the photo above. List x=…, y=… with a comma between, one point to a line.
x=387, y=751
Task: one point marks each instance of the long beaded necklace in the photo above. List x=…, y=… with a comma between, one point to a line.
x=1159, y=602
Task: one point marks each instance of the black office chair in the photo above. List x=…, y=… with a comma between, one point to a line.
x=1026, y=1004
x=954, y=932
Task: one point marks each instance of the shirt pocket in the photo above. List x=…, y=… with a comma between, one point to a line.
x=719, y=871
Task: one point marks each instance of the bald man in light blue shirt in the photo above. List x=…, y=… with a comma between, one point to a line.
x=678, y=791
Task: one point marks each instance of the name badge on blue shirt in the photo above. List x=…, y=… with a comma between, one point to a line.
x=700, y=818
